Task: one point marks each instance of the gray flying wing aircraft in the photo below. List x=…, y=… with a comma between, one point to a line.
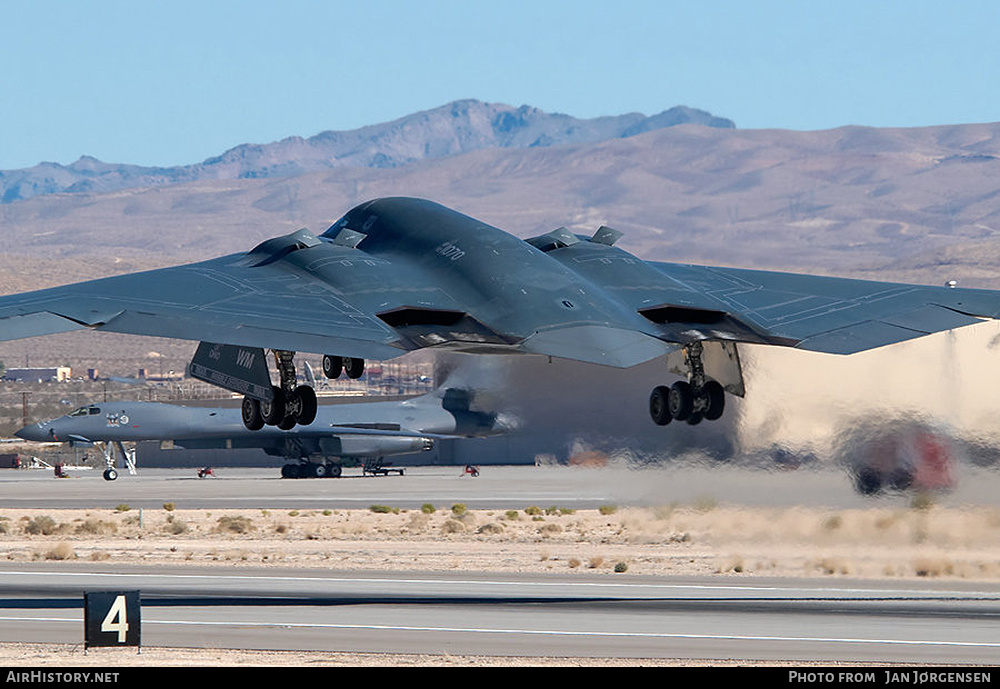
x=366, y=431
x=399, y=274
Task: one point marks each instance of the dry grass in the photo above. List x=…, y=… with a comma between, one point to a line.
x=676, y=540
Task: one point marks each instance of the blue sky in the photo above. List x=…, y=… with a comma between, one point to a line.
x=167, y=83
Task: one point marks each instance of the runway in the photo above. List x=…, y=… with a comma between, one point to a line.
x=497, y=487
x=586, y=616
x=582, y=614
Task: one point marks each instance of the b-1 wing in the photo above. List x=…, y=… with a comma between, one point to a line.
x=395, y=275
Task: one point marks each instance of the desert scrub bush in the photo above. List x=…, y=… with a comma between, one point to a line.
x=96, y=527
x=175, y=527
x=122, y=507
x=234, y=524
x=933, y=567
x=734, y=564
x=595, y=562
x=833, y=522
x=61, y=551
x=41, y=525
x=428, y=508
x=607, y=509
x=452, y=526
x=491, y=528
x=832, y=565
x=384, y=509
x=550, y=529
x=512, y=515
x=418, y=522
x=458, y=509
x=621, y=567
x=532, y=510
x=168, y=506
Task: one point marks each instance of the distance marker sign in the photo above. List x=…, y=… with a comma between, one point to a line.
x=111, y=618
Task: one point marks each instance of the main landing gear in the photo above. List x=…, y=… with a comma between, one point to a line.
x=292, y=404
x=334, y=365
x=692, y=401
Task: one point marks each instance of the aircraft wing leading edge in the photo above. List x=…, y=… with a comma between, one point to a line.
x=206, y=302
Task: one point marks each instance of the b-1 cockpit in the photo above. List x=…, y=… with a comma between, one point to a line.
x=89, y=410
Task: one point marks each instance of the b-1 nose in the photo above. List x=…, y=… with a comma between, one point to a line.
x=34, y=432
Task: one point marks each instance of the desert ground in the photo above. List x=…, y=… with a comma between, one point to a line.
x=921, y=540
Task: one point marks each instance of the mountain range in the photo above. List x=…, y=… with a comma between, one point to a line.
x=452, y=129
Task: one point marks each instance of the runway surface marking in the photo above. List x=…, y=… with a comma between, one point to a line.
x=542, y=632
x=562, y=585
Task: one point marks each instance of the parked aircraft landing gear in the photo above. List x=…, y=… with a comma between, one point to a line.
x=307, y=469
x=691, y=401
x=111, y=450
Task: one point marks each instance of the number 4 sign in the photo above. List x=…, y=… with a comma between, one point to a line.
x=111, y=618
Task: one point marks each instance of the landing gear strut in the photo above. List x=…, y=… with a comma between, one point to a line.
x=692, y=401
x=111, y=451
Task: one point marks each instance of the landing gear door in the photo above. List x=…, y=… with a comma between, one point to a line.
x=238, y=369
x=721, y=360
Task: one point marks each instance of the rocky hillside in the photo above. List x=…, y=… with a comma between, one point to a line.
x=450, y=130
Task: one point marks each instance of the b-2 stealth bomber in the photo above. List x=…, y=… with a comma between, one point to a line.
x=399, y=274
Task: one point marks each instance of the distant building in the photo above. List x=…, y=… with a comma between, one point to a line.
x=31, y=375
